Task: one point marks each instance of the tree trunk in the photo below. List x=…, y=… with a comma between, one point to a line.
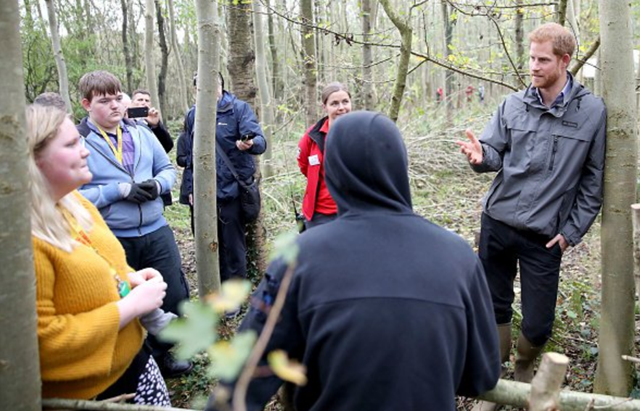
x=241, y=73
x=561, y=11
x=182, y=85
x=448, y=78
x=520, y=58
x=308, y=54
x=204, y=150
x=266, y=102
x=616, y=336
x=241, y=56
x=19, y=365
x=367, y=57
x=276, y=76
x=148, y=50
x=63, y=78
x=164, y=50
x=128, y=61
x=406, y=33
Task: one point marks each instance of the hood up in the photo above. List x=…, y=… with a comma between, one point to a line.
x=366, y=166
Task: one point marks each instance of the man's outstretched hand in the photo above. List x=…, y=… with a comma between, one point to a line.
x=472, y=148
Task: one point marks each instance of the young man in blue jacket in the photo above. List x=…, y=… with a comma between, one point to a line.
x=130, y=170
x=239, y=135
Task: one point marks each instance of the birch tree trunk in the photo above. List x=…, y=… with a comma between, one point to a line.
x=204, y=150
x=367, y=57
x=128, y=61
x=406, y=33
x=308, y=54
x=63, y=78
x=148, y=50
x=164, y=61
x=616, y=336
x=19, y=366
x=182, y=85
x=266, y=102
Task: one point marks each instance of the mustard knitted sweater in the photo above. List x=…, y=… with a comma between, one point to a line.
x=82, y=352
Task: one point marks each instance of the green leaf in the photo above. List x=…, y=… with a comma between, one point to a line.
x=232, y=294
x=228, y=357
x=193, y=333
x=285, y=247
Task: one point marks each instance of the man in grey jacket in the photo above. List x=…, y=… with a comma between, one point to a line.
x=547, y=144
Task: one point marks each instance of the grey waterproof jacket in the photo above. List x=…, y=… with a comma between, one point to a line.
x=550, y=163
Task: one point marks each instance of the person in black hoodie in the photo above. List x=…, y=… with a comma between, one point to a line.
x=386, y=310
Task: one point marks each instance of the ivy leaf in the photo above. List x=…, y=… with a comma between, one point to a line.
x=193, y=333
x=287, y=369
x=228, y=357
x=232, y=294
x=285, y=247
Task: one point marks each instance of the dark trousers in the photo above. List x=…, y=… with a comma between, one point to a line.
x=159, y=250
x=231, y=239
x=502, y=249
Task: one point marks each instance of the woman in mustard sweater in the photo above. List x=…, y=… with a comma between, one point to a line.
x=88, y=299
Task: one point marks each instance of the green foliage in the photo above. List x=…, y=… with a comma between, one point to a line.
x=228, y=358
x=195, y=332
x=285, y=247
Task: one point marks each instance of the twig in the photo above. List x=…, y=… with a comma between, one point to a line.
x=240, y=392
x=120, y=398
x=631, y=359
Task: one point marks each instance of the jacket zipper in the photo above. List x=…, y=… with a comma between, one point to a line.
x=553, y=152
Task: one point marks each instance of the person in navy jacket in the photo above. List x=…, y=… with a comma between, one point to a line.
x=239, y=135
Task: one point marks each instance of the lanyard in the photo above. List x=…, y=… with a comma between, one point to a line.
x=117, y=152
x=81, y=236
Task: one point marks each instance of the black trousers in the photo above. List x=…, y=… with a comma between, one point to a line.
x=159, y=250
x=502, y=250
x=231, y=239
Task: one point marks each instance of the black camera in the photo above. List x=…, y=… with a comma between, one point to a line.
x=247, y=137
x=137, y=112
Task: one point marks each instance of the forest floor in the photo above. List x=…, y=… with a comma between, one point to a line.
x=446, y=192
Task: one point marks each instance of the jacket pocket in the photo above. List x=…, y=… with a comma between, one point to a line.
x=567, y=150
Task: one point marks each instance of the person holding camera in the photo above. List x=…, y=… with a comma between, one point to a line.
x=318, y=206
x=238, y=136
x=130, y=170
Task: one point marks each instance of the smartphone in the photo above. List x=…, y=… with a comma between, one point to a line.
x=247, y=137
x=136, y=112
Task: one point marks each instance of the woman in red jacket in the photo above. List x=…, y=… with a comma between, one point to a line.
x=317, y=206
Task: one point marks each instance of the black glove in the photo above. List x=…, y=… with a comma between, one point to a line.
x=137, y=194
x=151, y=187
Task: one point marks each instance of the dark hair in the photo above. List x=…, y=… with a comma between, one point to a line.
x=141, y=91
x=51, y=99
x=96, y=83
x=331, y=88
x=220, y=79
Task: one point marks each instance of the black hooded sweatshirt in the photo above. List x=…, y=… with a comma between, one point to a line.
x=387, y=310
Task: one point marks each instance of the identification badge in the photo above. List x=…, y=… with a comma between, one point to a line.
x=314, y=160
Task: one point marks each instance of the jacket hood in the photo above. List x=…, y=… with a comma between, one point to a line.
x=226, y=101
x=366, y=165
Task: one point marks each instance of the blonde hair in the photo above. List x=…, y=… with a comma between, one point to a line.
x=47, y=219
x=561, y=39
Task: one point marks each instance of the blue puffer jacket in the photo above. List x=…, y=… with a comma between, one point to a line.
x=234, y=120
x=124, y=218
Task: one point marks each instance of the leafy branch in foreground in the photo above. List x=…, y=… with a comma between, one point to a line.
x=238, y=357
